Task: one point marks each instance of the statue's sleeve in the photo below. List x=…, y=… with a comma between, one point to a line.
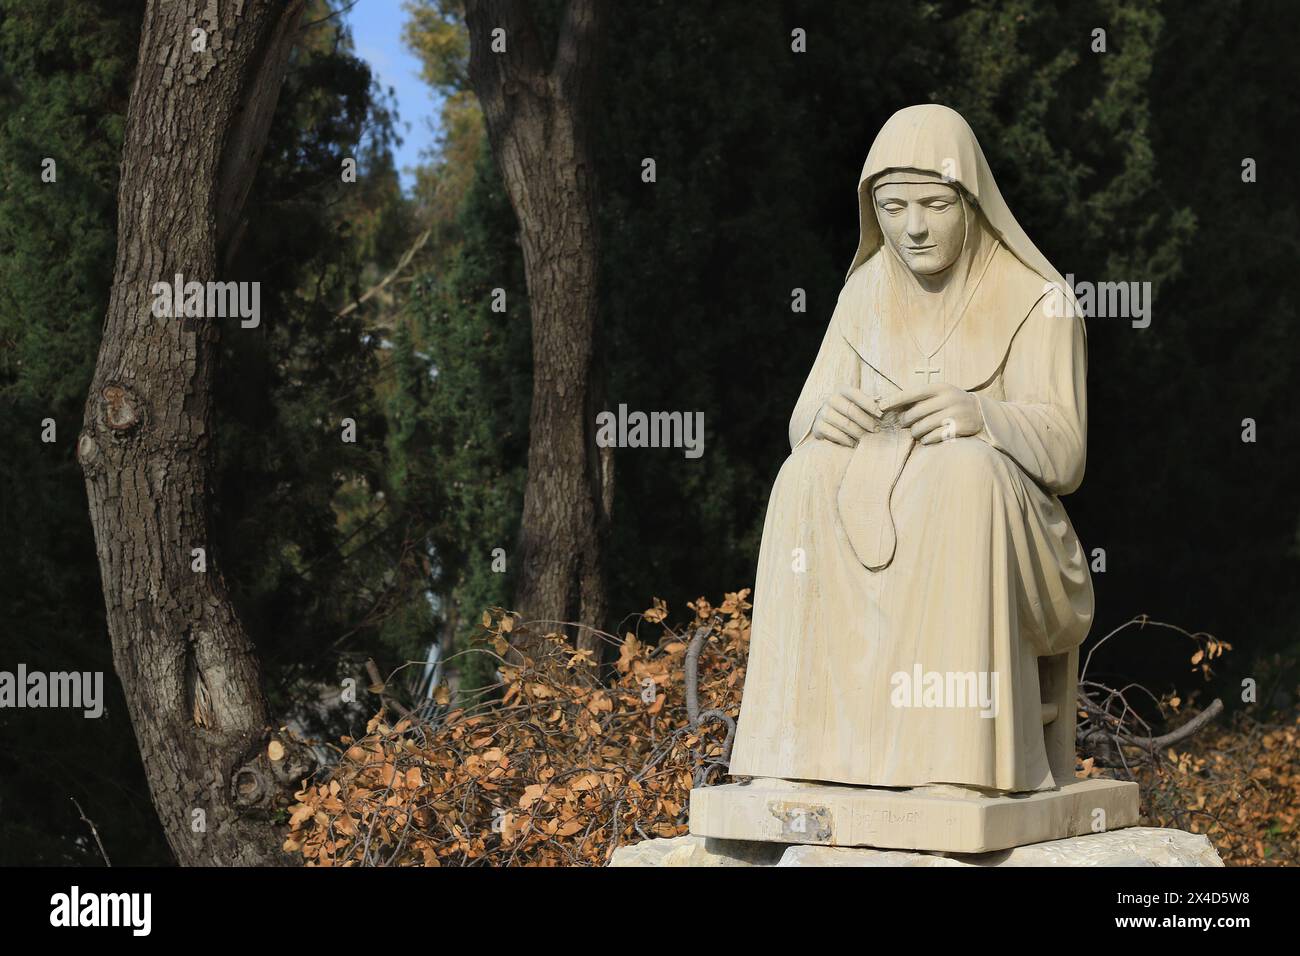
x=1043, y=423
x=836, y=366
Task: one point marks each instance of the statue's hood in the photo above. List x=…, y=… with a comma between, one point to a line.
x=935, y=139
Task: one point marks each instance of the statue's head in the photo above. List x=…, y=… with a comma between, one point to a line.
x=927, y=196
x=922, y=219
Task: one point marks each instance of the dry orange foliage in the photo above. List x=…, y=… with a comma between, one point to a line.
x=555, y=768
x=1239, y=784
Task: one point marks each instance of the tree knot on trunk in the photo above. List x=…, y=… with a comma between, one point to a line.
x=120, y=409
x=87, y=452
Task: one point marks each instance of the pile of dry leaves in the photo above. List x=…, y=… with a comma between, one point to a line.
x=1236, y=781
x=1238, y=784
x=552, y=766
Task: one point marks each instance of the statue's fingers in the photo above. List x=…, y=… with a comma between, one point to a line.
x=847, y=407
x=922, y=410
x=832, y=416
x=830, y=433
x=862, y=400
x=907, y=396
x=933, y=423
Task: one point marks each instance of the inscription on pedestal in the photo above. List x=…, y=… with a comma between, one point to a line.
x=894, y=818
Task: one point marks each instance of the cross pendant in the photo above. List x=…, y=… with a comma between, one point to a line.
x=927, y=371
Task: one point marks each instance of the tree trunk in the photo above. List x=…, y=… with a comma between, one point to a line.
x=537, y=119
x=196, y=125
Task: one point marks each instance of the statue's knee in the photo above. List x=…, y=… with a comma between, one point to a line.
x=817, y=464
x=966, y=460
x=819, y=454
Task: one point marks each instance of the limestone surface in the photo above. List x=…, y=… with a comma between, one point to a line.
x=1132, y=846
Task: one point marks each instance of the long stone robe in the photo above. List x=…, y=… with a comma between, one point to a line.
x=979, y=569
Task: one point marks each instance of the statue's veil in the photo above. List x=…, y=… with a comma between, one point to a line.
x=935, y=139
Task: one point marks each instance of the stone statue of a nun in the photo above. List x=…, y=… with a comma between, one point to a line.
x=916, y=558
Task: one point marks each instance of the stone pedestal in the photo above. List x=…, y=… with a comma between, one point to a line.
x=1133, y=846
x=936, y=819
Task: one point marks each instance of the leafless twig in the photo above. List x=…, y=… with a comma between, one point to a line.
x=94, y=830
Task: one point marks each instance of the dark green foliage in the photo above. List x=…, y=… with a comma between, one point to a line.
x=289, y=491
x=65, y=70
x=1209, y=523
x=461, y=412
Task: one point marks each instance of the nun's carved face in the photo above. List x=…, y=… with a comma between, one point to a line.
x=924, y=223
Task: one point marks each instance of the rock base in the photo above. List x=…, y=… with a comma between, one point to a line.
x=942, y=819
x=1133, y=846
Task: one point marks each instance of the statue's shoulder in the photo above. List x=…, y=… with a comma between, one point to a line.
x=867, y=273
x=1014, y=281
x=860, y=299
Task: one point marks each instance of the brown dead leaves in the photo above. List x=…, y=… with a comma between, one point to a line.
x=1238, y=784
x=554, y=768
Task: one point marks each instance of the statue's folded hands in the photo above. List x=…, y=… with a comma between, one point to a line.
x=937, y=411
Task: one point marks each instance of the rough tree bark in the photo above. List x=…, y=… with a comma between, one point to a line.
x=196, y=125
x=538, y=116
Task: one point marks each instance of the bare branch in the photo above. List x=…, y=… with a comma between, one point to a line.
x=330, y=16
x=377, y=681
x=1182, y=733
x=94, y=831
x=401, y=267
